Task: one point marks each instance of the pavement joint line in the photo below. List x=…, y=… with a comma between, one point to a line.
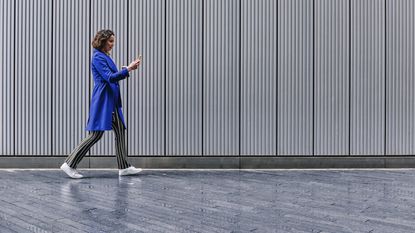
x=217, y=169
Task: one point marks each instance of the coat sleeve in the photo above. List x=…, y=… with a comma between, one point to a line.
x=101, y=66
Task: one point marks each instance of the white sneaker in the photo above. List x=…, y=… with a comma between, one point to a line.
x=129, y=171
x=70, y=171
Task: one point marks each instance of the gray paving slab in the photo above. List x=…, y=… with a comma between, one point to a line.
x=380, y=200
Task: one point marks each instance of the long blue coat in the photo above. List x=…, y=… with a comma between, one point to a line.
x=106, y=94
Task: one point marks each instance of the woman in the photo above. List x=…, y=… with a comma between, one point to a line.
x=105, y=112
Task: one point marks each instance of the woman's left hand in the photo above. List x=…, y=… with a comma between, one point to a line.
x=138, y=60
x=133, y=65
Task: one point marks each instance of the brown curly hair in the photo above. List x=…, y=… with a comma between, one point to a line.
x=101, y=38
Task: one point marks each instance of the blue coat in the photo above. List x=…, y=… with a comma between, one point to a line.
x=106, y=94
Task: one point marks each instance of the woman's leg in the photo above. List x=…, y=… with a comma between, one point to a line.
x=119, y=132
x=80, y=151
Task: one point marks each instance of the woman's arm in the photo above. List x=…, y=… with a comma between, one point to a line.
x=101, y=65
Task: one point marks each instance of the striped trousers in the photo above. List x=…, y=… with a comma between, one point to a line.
x=80, y=151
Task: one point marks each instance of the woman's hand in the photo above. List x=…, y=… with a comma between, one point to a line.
x=134, y=65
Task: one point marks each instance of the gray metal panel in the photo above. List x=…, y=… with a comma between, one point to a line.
x=295, y=77
x=183, y=77
x=71, y=45
x=331, y=93
x=400, y=77
x=367, y=126
x=146, y=87
x=221, y=77
x=33, y=77
x=111, y=14
x=7, y=45
x=259, y=78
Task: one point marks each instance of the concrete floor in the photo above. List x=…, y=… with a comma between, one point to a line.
x=209, y=201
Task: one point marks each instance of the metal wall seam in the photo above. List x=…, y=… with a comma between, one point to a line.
x=146, y=86
x=258, y=92
x=295, y=77
x=183, y=80
x=110, y=14
x=400, y=73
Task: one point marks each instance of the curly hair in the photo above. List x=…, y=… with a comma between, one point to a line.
x=101, y=38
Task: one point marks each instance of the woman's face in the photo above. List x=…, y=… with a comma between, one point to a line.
x=110, y=43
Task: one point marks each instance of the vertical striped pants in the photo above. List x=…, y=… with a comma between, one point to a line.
x=94, y=136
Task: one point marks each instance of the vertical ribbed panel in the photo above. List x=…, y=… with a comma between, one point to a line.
x=259, y=77
x=7, y=46
x=221, y=77
x=295, y=77
x=33, y=77
x=367, y=126
x=400, y=76
x=184, y=77
x=331, y=93
x=111, y=14
x=71, y=45
x=146, y=87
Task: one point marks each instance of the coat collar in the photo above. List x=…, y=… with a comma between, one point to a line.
x=109, y=60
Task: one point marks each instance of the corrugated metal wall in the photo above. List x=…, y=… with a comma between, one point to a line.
x=33, y=77
x=70, y=74
x=183, y=77
x=7, y=66
x=219, y=78
x=146, y=88
x=400, y=75
x=258, y=77
x=367, y=70
x=331, y=77
x=295, y=77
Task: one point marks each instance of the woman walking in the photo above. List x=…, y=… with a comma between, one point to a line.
x=105, y=112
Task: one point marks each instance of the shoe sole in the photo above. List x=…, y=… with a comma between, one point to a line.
x=73, y=177
x=70, y=175
x=130, y=173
